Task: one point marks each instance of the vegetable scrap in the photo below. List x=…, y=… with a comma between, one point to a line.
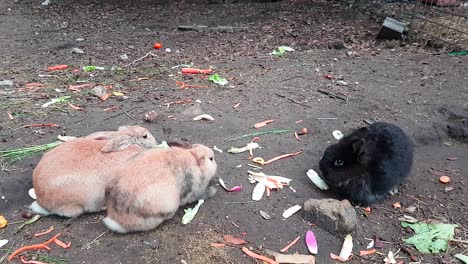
x=263, y=123
x=390, y=259
x=463, y=258
x=10, y=116
x=337, y=134
x=21, y=153
x=281, y=131
x=29, y=222
x=3, y=242
x=57, y=67
x=250, y=147
x=311, y=242
x=236, y=105
x=315, y=178
x=290, y=244
x=28, y=248
x=218, y=245
x=217, y=79
x=430, y=238
x=234, y=240
x=292, y=210
x=367, y=252
x=204, y=117
x=184, y=85
x=265, y=183
x=157, y=45
x=61, y=99
x=78, y=108
x=346, y=250
x=262, y=162
x=3, y=222
x=265, y=215
x=257, y=256
x=233, y=189
x=187, y=101
x=76, y=88
x=281, y=50
x=196, y=71
x=304, y=131
x=444, y=179
x=191, y=212
x=217, y=149
x=92, y=68
x=42, y=125
x=44, y=232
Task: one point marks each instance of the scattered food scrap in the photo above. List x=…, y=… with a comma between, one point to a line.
x=315, y=178
x=430, y=238
x=292, y=210
x=311, y=242
x=346, y=250
x=257, y=256
x=290, y=244
x=233, y=189
x=263, y=123
x=203, y=117
x=262, y=162
x=234, y=240
x=191, y=212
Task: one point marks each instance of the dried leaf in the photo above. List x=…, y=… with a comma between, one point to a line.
x=234, y=240
x=3, y=222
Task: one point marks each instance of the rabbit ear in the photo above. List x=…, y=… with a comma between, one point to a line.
x=358, y=145
x=358, y=139
x=117, y=143
x=103, y=135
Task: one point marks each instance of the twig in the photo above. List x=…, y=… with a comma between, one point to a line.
x=293, y=101
x=459, y=241
x=327, y=118
x=332, y=95
x=139, y=59
x=87, y=246
x=417, y=199
x=131, y=117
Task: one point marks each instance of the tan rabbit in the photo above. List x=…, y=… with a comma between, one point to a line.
x=153, y=185
x=70, y=179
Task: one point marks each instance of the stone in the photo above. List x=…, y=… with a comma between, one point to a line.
x=123, y=57
x=150, y=116
x=98, y=91
x=6, y=83
x=337, y=217
x=77, y=51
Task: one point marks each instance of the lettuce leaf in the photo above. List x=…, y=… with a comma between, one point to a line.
x=430, y=238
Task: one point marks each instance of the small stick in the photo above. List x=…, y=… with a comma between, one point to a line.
x=459, y=241
x=87, y=246
x=332, y=95
x=417, y=199
x=239, y=202
x=327, y=118
x=139, y=59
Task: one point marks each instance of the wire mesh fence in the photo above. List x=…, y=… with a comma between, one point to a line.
x=436, y=23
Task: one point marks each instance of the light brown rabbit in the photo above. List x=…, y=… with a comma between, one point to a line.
x=154, y=184
x=71, y=179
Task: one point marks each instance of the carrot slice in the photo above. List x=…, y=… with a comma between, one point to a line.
x=290, y=244
x=75, y=107
x=51, y=240
x=257, y=256
x=218, y=245
x=263, y=123
x=25, y=261
x=444, y=179
x=284, y=156
x=26, y=248
x=45, y=232
x=61, y=244
x=367, y=252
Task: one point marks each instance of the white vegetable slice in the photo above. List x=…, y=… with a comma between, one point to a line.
x=347, y=248
x=258, y=191
x=337, y=134
x=3, y=242
x=204, y=116
x=291, y=211
x=32, y=193
x=315, y=178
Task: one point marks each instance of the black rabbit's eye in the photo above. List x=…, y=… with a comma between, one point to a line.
x=145, y=136
x=339, y=163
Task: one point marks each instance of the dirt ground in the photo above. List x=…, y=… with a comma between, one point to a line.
x=423, y=91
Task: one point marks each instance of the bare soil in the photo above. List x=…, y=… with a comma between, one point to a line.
x=423, y=91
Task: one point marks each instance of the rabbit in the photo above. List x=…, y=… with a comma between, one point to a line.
x=154, y=184
x=70, y=179
x=368, y=164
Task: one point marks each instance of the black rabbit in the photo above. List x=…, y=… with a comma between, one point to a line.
x=368, y=164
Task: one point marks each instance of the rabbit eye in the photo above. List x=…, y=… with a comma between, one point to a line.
x=339, y=163
x=211, y=158
x=145, y=136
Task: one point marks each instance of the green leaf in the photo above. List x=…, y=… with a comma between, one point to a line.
x=463, y=258
x=281, y=50
x=217, y=79
x=430, y=238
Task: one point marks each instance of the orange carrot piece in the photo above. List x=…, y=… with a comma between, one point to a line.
x=61, y=244
x=57, y=67
x=257, y=256
x=45, y=232
x=283, y=156
x=218, y=245
x=51, y=240
x=367, y=252
x=104, y=97
x=290, y=244
x=25, y=261
x=263, y=123
x=196, y=71
x=444, y=179
x=26, y=248
x=75, y=107
x=268, y=191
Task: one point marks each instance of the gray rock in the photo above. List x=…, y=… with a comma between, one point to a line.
x=123, y=57
x=77, y=51
x=6, y=83
x=98, y=91
x=337, y=217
